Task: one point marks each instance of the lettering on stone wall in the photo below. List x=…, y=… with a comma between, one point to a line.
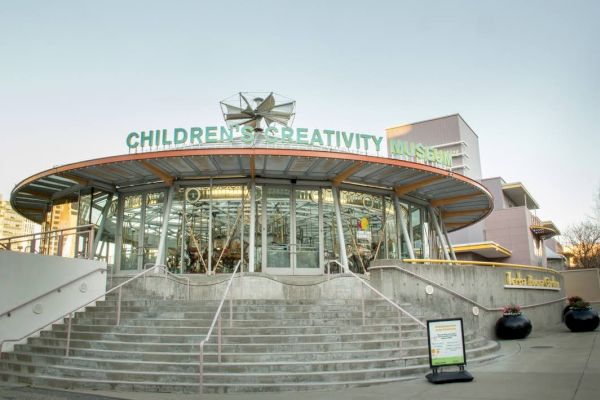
x=529, y=282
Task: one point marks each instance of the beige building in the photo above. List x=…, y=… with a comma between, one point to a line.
x=13, y=224
x=512, y=233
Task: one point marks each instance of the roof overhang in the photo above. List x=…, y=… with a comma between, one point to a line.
x=519, y=195
x=484, y=249
x=462, y=200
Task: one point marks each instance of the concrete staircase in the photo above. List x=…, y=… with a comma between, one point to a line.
x=272, y=345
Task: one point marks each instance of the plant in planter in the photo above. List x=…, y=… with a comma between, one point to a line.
x=570, y=301
x=513, y=324
x=581, y=317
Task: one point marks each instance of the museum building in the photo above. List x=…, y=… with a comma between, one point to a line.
x=257, y=256
x=284, y=201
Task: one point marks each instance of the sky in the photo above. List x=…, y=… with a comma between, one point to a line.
x=77, y=76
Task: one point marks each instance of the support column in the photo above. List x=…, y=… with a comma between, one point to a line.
x=445, y=231
x=340, y=228
x=252, y=238
x=210, y=228
x=119, y=234
x=102, y=223
x=183, y=235
x=242, y=228
x=385, y=227
x=160, y=255
x=321, y=233
x=400, y=218
x=263, y=229
x=438, y=232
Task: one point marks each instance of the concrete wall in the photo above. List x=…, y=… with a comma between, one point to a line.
x=251, y=286
x=25, y=276
x=482, y=285
x=584, y=283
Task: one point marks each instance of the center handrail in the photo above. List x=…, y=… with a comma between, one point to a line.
x=175, y=277
x=73, y=310
x=216, y=320
x=400, y=309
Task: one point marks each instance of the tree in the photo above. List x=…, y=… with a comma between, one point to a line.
x=584, y=242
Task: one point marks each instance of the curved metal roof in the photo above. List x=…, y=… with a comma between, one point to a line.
x=461, y=200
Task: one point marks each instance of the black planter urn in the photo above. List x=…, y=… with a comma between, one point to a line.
x=513, y=326
x=582, y=319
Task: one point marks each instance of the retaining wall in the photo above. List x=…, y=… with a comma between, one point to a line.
x=479, y=293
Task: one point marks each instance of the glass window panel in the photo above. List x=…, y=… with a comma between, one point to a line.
x=228, y=212
x=175, y=228
x=362, y=217
x=106, y=246
x=331, y=250
x=258, y=240
x=83, y=215
x=153, y=219
x=278, y=227
x=197, y=208
x=99, y=201
x=390, y=250
x=130, y=246
x=307, y=228
x=405, y=219
x=416, y=220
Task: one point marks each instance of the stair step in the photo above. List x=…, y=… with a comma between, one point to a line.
x=271, y=345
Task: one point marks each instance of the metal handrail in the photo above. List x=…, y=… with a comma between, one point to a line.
x=56, y=289
x=216, y=320
x=43, y=236
x=400, y=309
x=48, y=232
x=454, y=293
x=68, y=314
x=477, y=263
x=175, y=277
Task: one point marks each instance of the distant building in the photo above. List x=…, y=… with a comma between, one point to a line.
x=512, y=233
x=13, y=224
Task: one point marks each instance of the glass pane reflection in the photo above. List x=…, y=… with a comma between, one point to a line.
x=278, y=227
x=307, y=228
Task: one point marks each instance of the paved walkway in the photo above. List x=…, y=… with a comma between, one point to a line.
x=548, y=365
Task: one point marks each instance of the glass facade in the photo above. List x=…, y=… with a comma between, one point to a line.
x=208, y=227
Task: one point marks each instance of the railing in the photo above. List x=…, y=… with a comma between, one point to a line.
x=53, y=242
x=68, y=315
x=174, y=278
x=216, y=320
x=9, y=313
x=477, y=263
x=465, y=298
x=401, y=311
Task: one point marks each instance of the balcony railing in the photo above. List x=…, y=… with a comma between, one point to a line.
x=74, y=242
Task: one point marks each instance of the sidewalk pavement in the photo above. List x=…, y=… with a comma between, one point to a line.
x=548, y=365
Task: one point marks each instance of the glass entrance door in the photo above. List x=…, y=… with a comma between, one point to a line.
x=307, y=212
x=293, y=239
x=277, y=203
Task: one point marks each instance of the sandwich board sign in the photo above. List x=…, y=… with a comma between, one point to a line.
x=446, y=342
